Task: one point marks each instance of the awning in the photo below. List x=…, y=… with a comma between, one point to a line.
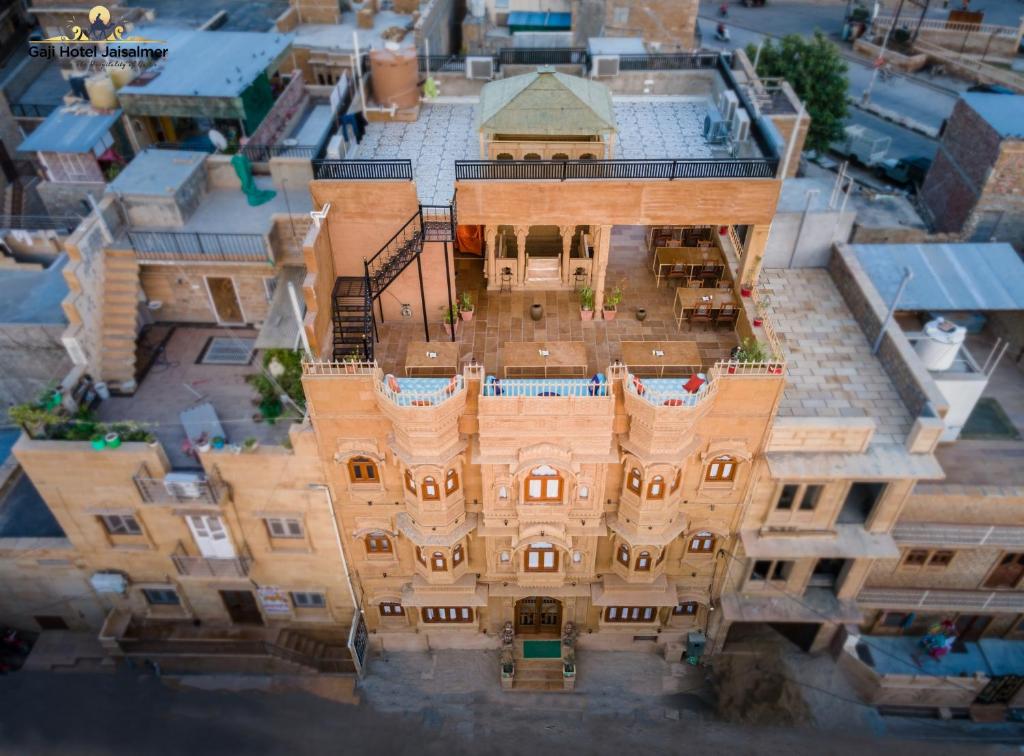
x=879, y=462
x=280, y=329
x=947, y=277
x=428, y=536
x=816, y=605
x=663, y=537
x=846, y=542
x=463, y=592
x=74, y=129
x=614, y=591
x=539, y=21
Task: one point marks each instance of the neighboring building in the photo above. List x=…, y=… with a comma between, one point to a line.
x=975, y=187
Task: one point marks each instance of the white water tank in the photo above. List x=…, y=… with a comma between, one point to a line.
x=477, y=8
x=941, y=342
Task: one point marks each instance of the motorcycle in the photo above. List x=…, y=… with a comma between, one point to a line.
x=11, y=640
x=722, y=34
x=723, y=10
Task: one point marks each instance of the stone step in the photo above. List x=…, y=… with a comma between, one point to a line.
x=543, y=263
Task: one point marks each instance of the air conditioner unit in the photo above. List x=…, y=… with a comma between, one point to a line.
x=727, y=104
x=480, y=68
x=740, y=126
x=715, y=129
x=604, y=66
x=184, y=485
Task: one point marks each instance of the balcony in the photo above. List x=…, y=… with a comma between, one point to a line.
x=424, y=414
x=211, y=567
x=180, y=488
x=197, y=246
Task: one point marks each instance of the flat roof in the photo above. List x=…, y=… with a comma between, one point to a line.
x=157, y=172
x=616, y=46
x=540, y=20
x=1003, y=112
x=208, y=63
x=652, y=127
x=830, y=370
x=33, y=296
x=946, y=277
x=339, y=36
x=73, y=128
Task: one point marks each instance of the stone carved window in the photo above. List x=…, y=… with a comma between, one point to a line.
x=362, y=470
x=457, y=555
x=430, y=489
x=544, y=486
x=643, y=561
x=378, y=543
x=635, y=480
x=540, y=557
x=438, y=563
x=721, y=470
x=623, y=554
x=702, y=542
x=656, y=488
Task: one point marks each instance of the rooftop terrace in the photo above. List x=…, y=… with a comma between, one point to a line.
x=831, y=371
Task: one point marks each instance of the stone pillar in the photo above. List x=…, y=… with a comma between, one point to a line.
x=600, y=263
x=491, y=272
x=752, y=254
x=521, y=233
x=566, y=232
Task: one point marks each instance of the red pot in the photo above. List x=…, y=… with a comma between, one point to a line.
x=723, y=230
x=732, y=369
x=758, y=322
x=746, y=291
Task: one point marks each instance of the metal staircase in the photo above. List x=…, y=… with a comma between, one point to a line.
x=355, y=325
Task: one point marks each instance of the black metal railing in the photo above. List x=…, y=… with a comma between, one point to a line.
x=543, y=56
x=438, y=222
x=207, y=489
x=31, y=109
x=757, y=130
x=262, y=153
x=190, y=245
x=363, y=170
x=568, y=170
x=442, y=63
x=65, y=223
x=395, y=256
x=668, y=62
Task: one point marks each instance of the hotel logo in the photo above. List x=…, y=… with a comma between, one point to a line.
x=101, y=36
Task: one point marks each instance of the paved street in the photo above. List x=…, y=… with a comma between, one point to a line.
x=418, y=704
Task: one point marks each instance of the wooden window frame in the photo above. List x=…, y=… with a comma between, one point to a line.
x=659, y=482
x=319, y=603
x=363, y=471
x=774, y=572
x=701, y=535
x=429, y=481
x=458, y=555
x=121, y=525
x=436, y=556
x=389, y=609
x=635, y=481
x=624, y=554
x=540, y=551
x=155, y=596
x=1017, y=556
x=712, y=473
x=459, y=615
x=624, y=614
x=284, y=525
x=543, y=480
x=791, y=501
x=451, y=482
x=686, y=609
x=923, y=559
x=643, y=555
x=378, y=544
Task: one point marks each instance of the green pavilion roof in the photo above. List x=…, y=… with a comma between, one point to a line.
x=546, y=103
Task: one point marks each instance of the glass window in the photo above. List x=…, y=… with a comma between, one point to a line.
x=540, y=557
x=308, y=600
x=634, y=481
x=643, y=561
x=121, y=524
x=505, y=557
x=624, y=554
x=161, y=596
x=437, y=562
x=787, y=496
x=544, y=486
x=391, y=609
x=584, y=492
x=810, y=498
x=430, y=489
x=451, y=482
x=702, y=542
x=362, y=470
x=915, y=558
x=378, y=543
x=630, y=614
x=284, y=527
x=434, y=614
x=686, y=608
x=722, y=469
x=457, y=555
x=656, y=488
x=503, y=493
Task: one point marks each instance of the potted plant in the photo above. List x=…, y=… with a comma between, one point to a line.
x=250, y=444
x=569, y=667
x=112, y=440
x=758, y=319
x=750, y=350
x=641, y=314
x=746, y=289
x=586, y=303
x=451, y=319
x=508, y=666
x=611, y=303
x=34, y=418
x=97, y=442
x=466, y=306
x=151, y=441
x=218, y=442
x=536, y=311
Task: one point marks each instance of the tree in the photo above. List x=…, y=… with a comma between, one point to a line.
x=817, y=74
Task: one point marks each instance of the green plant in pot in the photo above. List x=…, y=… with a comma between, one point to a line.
x=450, y=316
x=750, y=350
x=466, y=308
x=34, y=419
x=586, y=303
x=282, y=375
x=611, y=303
x=250, y=444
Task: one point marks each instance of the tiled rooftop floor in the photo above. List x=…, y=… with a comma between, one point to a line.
x=664, y=128
x=831, y=371
x=505, y=317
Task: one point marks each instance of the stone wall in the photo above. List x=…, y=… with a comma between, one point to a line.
x=182, y=290
x=33, y=356
x=821, y=434
x=69, y=198
x=665, y=25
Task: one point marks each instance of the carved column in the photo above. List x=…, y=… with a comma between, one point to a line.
x=491, y=261
x=521, y=234
x=566, y=232
x=752, y=255
x=600, y=264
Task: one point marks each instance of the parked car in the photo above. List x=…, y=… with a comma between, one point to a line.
x=863, y=145
x=904, y=171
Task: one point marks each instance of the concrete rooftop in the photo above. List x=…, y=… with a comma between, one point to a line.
x=831, y=371
x=227, y=211
x=33, y=296
x=158, y=173
x=338, y=37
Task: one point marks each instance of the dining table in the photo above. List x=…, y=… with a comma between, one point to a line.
x=661, y=358
x=693, y=258
x=534, y=359
x=438, y=358
x=688, y=299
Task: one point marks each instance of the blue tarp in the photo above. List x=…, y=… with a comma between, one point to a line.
x=947, y=277
x=540, y=20
x=70, y=129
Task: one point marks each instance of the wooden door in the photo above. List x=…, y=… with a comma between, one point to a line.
x=242, y=608
x=1007, y=573
x=538, y=614
x=225, y=300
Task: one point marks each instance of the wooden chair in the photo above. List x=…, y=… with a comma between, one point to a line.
x=727, y=316
x=506, y=280
x=695, y=283
x=676, y=273
x=699, y=314
x=709, y=277
x=725, y=286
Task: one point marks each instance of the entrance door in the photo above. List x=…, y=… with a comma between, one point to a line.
x=242, y=608
x=225, y=300
x=539, y=614
x=211, y=537
x=1008, y=573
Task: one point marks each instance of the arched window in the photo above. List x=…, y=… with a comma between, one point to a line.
x=531, y=156
x=543, y=486
x=503, y=493
x=685, y=609
x=362, y=470
x=457, y=555
x=378, y=543
x=656, y=488
x=583, y=492
x=635, y=480
x=540, y=557
x=430, y=490
x=438, y=563
x=702, y=542
x=721, y=470
x=391, y=609
x=643, y=561
x=451, y=482
x=409, y=482
x=559, y=156
x=677, y=480
x=624, y=554
x=421, y=555
x=504, y=156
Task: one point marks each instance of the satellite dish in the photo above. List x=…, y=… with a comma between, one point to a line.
x=218, y=139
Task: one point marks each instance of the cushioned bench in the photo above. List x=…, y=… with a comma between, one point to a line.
x=415, y=392
x=596, y=386
x=669, y=391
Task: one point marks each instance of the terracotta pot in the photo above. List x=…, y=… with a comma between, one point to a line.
x=466, y=315
x=758, y=322
x=609, y=314
x=641, y=314
x=723, y=230
x=732, y=369
x=536, y=311
x=746, y=291
x=586, y=314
